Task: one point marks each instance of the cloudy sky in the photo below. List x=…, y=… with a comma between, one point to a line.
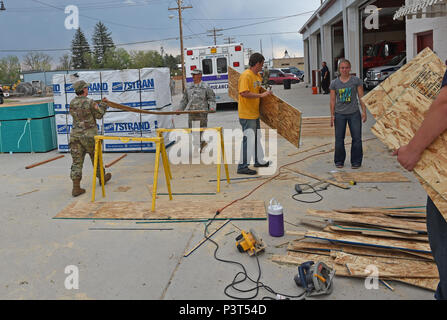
x=148, y=24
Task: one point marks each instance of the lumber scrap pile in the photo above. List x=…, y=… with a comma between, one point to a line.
x=275, y=112
x=399, y=105
x=394, y=241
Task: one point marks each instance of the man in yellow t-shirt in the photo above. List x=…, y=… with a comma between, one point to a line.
x=248, y=107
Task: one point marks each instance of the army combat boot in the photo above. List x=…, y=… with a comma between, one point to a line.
x=107, y=177
x=77, y=190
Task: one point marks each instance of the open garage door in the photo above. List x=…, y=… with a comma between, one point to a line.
x=383, y=47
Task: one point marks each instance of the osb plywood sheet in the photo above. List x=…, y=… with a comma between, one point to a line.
x=353, y=269
x=360, y=251
x=233, y=84
x=174, y=209
x=370, y=177
x=373, y=221
x=412, y=90
x=387, y=267
x=371, y=241
x=373, y=232
x=422, y=74
x=430, y=284
x=275, y=112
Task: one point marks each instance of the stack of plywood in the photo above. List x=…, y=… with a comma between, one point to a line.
x=275, y=112
x=319, y=126
x=352, y=240
x=399, y=105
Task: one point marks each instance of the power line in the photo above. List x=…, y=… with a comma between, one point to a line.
x=96, y=19
x=215, y=34
x=172, y=38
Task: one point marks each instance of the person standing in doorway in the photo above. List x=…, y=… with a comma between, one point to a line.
x=250, y=83
x=346, y=94
x=325, y=78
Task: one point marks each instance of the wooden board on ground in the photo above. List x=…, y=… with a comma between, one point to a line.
x=275, y=112
x=387, y=267
x=399, y=104
x=371, y=177
x=318, y=126
x=174, y=209
x=373, y=221
x=370, y=241
x=426, y=283
x=374, y=232
x=357, y=250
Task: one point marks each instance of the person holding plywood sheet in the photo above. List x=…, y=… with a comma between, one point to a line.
x=250, y=83
x=84, y=111
x=346, y=92
x=434, y=124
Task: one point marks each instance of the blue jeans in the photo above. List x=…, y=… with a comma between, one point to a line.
x=250, y=149
x=437, y=236
x=354, y=120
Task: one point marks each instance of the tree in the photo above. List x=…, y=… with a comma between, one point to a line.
x=172, y=63
x=37, y=61
x=80, y=51
x=9, y=70
x=102, y=43
x=146, y=59
x=117, y=59
x=64, y=62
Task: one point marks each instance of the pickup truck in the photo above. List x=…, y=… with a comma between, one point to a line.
x=376, y=75
x=381, y=53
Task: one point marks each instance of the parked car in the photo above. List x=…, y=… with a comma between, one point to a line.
x=376, y=75
x=276, y=76
x=295, y=71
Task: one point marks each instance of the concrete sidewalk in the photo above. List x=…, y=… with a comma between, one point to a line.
x=36, y=249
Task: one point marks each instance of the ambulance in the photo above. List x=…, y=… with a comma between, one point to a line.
x=214, y=62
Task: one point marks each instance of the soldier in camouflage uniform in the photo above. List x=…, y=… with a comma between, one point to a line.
x=84, y=111
x=198, y=96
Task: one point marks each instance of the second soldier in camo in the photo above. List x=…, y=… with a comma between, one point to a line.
x=198, y=96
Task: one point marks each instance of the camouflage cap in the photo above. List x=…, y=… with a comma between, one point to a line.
x=79, y=85
x=196, y=71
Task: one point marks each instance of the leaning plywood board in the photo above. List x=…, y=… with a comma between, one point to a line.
x=371, y=177
x=275, y=112
x=175, y=209
x=399, y=105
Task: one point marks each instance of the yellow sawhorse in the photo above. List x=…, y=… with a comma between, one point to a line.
x=220, y=149
x=160, y=149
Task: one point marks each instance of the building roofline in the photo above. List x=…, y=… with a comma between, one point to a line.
x=322, y=9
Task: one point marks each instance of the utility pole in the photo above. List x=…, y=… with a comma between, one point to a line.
x=215, y=34
x=229, y=40
x=179, y=10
